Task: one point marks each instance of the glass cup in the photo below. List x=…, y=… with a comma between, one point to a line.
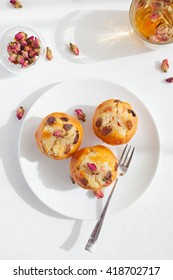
x=152, y=20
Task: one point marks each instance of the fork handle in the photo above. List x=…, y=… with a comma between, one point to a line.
x=96, y=231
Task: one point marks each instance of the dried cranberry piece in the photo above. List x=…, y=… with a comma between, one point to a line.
x=67, y=126
x=98, y=122
x=84, y=181
x=67, y=149
x=76, y=137
x=108, y=177
x=116, y=166
x=64, y=119
x=106, y=130
x=51, y=120
x=132, y=112
x=129, y=124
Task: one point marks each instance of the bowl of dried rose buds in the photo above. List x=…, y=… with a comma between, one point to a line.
x=21, y=48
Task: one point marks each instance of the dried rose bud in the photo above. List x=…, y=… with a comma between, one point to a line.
x=32, y=60
x=16, y=3
x=36, y=43
x=31, y=54
x=155, y=15
x=74, y=49
x=25, y=63
x=13, y=47
x=12, y=57
x=165, y=65
x=92, y=166
x=20, y=113
x=20, y=59
x=20, y=36
x=27, y=48
x=57, y=133
x=169, y=80
x=31, y=38
x=37, y=51
x=24, y=54
x=80, y=115
x=23, y=43
x=49, y=55
x=99, y=193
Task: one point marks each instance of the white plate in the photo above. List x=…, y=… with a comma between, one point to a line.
x=50, y=180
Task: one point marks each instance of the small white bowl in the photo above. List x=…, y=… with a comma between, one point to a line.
x=7, y=37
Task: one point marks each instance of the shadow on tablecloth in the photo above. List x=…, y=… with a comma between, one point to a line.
x=10, y=133
x=99, y=35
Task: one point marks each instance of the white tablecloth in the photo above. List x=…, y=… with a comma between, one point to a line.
x=29, y=229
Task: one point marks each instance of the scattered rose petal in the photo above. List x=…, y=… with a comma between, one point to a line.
x=92, y=166
x=80, y=115
x=165, y=65
x=49, y=55
x=16, y=3
x=99, y=193
x=169, y=80
x=74, y=49
x=20, y=113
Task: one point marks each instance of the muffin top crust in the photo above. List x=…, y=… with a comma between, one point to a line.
x=115, y=121
x=59, y=134
x=94, y=167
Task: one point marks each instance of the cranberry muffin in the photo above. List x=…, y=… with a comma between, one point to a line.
x=59, y=135
x=115, y=122
x=94, y=167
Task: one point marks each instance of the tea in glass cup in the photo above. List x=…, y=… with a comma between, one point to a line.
x=152, y=20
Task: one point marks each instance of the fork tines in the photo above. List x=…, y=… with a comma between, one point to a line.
x=123, y=159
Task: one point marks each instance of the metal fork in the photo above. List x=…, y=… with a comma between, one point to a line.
x=124, y=163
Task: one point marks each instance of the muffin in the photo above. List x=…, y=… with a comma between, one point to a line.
x=59, y=135
x=94, y=168
x=115, y=122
